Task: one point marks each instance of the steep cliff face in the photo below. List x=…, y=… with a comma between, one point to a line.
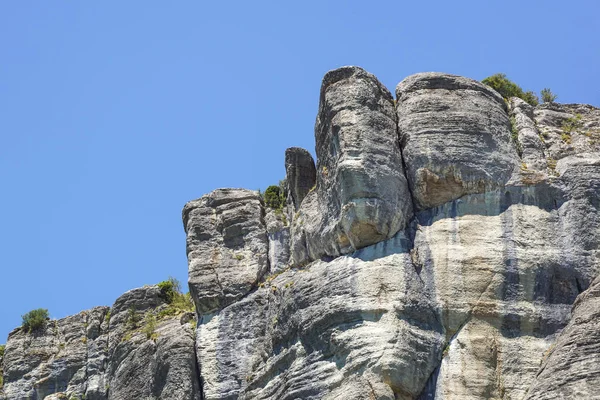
x=437, y=257
x=445, y=245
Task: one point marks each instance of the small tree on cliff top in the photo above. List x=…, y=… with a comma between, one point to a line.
x=35, y=319
x=507, y=88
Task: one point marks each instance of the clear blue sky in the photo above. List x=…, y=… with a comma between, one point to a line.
x=114, y=114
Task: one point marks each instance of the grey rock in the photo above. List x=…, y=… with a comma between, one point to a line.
x=53, y=359
x=504, y=267
x=488, y=289
x=161, y=366
x=571, y=366
x=533, y=156
x=362, y=195
x=455, y=137
x=101, y=355
x=355, y=327
x=227, y=246
x=301, y=174
x=568, y=129
x=278, y=232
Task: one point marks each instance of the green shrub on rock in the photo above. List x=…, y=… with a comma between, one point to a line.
x=169, y=288
x=35, y=319
x=531, y=98
x=177, y=302
x=150, y=326
x=2, y=347
x=274, y=197
x=132, y=318
x=548, y=96
x=507, y=88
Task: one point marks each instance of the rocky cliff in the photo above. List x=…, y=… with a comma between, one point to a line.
x=445, y=245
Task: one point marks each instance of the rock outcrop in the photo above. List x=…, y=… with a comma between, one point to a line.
x=455, y=137
x=571, y=366
x=227, y=246
x=445, y=246
x=105, y=354
x=361, y=196
x=301, y=174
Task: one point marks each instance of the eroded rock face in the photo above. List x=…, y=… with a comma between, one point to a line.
x=227, y=246
x=105, y=354
x=362, y=195
x=568, y=129
x=362, y=326
x=571, y=366
x=455, y=137
x=532, y=148
x=159, y=366
x=301, y=174
x=505, y=272
x=349, y=293
x=278, y=232
x=54, y=359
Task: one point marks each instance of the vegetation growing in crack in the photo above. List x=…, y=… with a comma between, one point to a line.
x=572, y=124
x=133, y=318
x=177, y=302
x=149, y=328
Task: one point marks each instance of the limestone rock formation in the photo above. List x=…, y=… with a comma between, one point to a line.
x=104, y=354
x=227, y=246
x=455, y=137
x=300, y=173
x=362, y=195
x=529, y=142
x=278, y=232
x=571, y=366
x=445, y=247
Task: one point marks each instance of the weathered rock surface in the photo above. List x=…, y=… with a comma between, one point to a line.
x=142, y=366
x=568, y=129
x=278, y=232
x=53, y=359
x=455, y=137
x=227, y=246
x=450, y=250
x=301, y=174
x=100, y=354
x=532, y=148
x=360, y=326
x=362, y=195
x=571, y=366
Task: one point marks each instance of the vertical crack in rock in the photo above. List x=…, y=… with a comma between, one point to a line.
x=533, y=155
